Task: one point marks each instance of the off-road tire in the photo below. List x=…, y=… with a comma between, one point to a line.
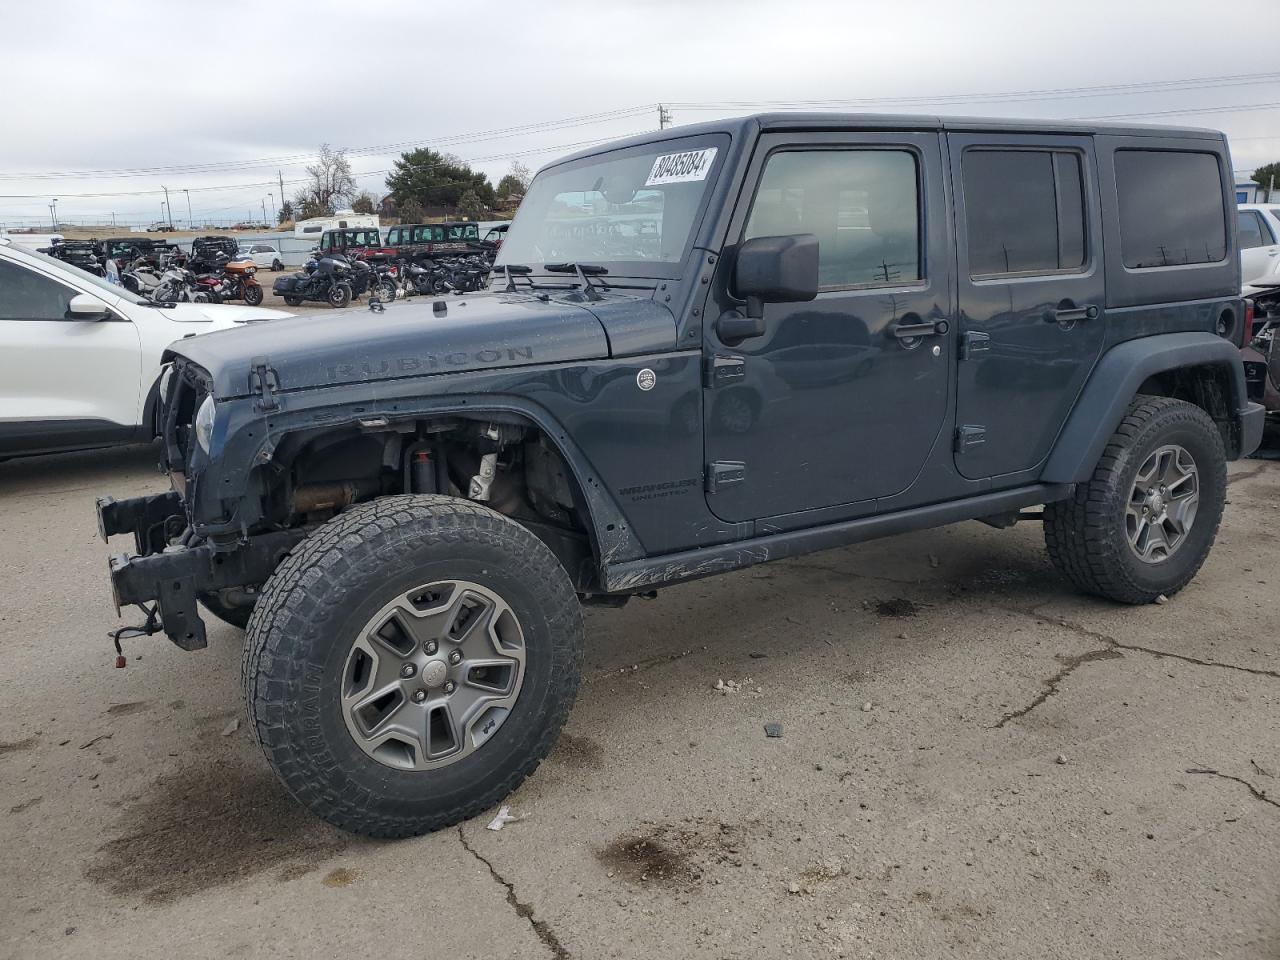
x=321, y=596
x=1085, y=534
x=236, y=616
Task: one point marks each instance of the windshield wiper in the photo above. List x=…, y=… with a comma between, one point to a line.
x=513, y=270
x=584, y=272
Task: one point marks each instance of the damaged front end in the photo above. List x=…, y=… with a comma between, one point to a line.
x=171, y=569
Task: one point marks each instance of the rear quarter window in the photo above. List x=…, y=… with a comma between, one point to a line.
x=1171, y=208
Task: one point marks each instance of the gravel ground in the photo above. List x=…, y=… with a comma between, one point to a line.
x=974, y=762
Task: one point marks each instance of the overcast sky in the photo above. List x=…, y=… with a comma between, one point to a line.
x=130, y=86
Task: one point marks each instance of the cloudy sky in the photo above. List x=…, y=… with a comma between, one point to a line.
x=106, y=103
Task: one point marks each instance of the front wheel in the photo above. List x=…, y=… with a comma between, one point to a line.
x=411, y=663
x=1144, y=523
x=339, y=295
x=253, y=294
x=384, y=290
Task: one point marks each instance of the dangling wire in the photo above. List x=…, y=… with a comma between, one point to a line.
x=150, y=626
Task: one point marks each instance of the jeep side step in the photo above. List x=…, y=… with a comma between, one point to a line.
x=635, y=575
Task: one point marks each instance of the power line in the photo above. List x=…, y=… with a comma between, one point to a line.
x=223, y=166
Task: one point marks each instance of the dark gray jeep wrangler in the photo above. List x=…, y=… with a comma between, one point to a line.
x=703, y=349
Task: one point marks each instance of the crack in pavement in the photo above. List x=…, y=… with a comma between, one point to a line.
x=1257, y=793
x=1110, y=650
x=523, y=910
x=1069, y=665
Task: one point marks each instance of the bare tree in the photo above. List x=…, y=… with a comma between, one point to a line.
x=329, y=182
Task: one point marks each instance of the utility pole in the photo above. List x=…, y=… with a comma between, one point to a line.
x=264, y=210
x=664, y=117
x=274, y=209
x=168, y=205
x=188, y=193
x=281, y=176
x=53, y=214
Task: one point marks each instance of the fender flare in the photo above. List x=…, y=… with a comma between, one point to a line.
x=1115, y=382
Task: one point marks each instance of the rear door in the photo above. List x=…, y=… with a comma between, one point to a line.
x=1258, y=247
x=1031, y=293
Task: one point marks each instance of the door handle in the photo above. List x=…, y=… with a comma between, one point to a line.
x=909, y=331
x=1071, y=314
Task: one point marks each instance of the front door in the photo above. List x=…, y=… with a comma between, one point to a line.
x=62, y=380
x=842, y=398
x=1032, y=311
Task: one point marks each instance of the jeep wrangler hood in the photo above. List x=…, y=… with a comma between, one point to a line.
x=477, y=332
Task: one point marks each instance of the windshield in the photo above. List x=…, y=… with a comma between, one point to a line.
x=632, y=210
x=84, y=276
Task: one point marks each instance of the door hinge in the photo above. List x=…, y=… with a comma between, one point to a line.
x=265, y=383
x=973, y=342
x=969, y=437
x=725, y=473
x=723, y=369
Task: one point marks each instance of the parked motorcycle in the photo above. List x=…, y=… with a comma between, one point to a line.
x=326, y=281
x=232, y=280
x=179, y=285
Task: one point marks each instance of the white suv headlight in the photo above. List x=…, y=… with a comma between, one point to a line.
x=204, y=423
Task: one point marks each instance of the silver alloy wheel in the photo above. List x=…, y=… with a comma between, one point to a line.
x=433, y=675
x=1162, y=503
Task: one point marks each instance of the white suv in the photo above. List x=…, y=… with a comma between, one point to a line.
x=1259, y=225
x=80, y=357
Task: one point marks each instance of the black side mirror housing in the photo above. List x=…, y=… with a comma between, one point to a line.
x=770, y=270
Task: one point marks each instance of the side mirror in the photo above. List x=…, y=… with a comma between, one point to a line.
x=85, y=306
x=770, y=270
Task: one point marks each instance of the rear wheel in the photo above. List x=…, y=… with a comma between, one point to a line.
x=411, y=663
x=277, y=266
x=1144, y=523
x=293, y=301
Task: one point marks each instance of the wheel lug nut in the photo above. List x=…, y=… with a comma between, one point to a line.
x=407, y=670
x=430, y=647
x=419, y=696
x=449, y=686
x=456, y=657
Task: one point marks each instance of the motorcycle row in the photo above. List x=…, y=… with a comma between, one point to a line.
x=337, y=279
x=213, y=272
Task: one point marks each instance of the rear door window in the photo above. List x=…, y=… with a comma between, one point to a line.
x=1171, y=208
x=1250, y=229
x=1025, y=212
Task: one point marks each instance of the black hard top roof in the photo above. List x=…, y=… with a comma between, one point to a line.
x=802, y=122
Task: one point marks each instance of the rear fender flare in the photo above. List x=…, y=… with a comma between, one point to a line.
x=1115, y=382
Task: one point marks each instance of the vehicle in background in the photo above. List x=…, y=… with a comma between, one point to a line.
x=85, y=254
x=407, y=507
x=495, y=235
x=265, y=256
x=126, y=250
x=311, y=229
x=1259, y=234
x=427, y=241
x=212, y=251
x=363, y=243
x=327, y=280
x=160, y=226
x=32, y=241
x=80, y=357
